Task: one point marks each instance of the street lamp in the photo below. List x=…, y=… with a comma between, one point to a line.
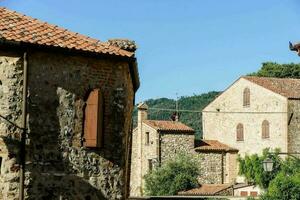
x=268, y=165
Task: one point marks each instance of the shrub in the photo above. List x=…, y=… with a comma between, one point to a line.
x=252, y=168
x=176, y=175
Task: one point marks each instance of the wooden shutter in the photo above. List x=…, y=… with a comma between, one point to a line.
x=265, y=129
x=93, y=124
x=246, y=97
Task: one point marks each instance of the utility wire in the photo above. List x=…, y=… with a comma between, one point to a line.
x=233, y=112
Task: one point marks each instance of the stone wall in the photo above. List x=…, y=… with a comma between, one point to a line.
x=294, y=126
x=211, y=168
x=11, y=77
x=173, y=144
x=57, y=165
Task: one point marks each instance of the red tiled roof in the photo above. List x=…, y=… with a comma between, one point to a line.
x=16, y=27
x=206, y=189
x=168, y=126
x=286, y=87
x=213, y=145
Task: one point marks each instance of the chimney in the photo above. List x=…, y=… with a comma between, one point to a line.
x=142, y=112
x=125, y=44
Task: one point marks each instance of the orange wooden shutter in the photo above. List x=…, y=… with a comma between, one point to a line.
x=93, y=124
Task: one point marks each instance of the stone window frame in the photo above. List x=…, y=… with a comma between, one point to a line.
x=240, y=132
x=265, y=129
x=147, y=141
x=246, y=97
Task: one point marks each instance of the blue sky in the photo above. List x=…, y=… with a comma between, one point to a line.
x=185, y=47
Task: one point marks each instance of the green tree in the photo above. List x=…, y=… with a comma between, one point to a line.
x=176, y=175
x=252, y=168
x=272, y=69
x=284, y=187
x=192, y=119
x=286, y=184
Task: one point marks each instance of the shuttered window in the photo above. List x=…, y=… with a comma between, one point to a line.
x=93, y=123
x=246, y=97
x=265, y=132
x=240, y=132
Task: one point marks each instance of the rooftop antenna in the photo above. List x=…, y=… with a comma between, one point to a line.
x=177, y=109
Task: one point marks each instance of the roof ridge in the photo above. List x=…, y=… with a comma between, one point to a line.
x=268, y=77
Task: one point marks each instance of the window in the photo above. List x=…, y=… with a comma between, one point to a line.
x=240, y=132
x=150, y=165
x=0, y=164
x=246, y=97
x=265, y=129
x=244, y=193
x=253, y=193
x=213, y=167
x=93, y=122
x=147, y=138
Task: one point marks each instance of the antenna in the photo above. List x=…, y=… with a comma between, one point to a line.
x=177, y=108
x=176, y=102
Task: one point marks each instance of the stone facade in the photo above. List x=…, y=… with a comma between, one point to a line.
x=160, y=147
x=212, y=167
x=57, y=164
x=172, y=144
x=221, y=117
x=294, y=126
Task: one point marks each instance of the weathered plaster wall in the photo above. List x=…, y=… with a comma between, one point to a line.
x=141, y=153
x=294, y=125
x=264, y=105
x=173, y=144
x=57, y=166
x=135, y=165
x=231, y=167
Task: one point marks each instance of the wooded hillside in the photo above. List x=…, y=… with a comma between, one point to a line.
x=198, y=102
x=192, y=119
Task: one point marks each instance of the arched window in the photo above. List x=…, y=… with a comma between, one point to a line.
x=93, y=119
x=246, y=97
x=240, y=132
x=265, y=129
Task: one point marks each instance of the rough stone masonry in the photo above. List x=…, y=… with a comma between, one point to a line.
x=58, y=166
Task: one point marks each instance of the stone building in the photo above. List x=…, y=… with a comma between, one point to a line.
x=153, y=143
x=77, y=112
x=215, y=162
x=255, y=113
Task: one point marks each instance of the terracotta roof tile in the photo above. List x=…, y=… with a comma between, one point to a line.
x=168, y=126
x=20, y=28
x=213, y=145
x=206, y=189
x=286, y=87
